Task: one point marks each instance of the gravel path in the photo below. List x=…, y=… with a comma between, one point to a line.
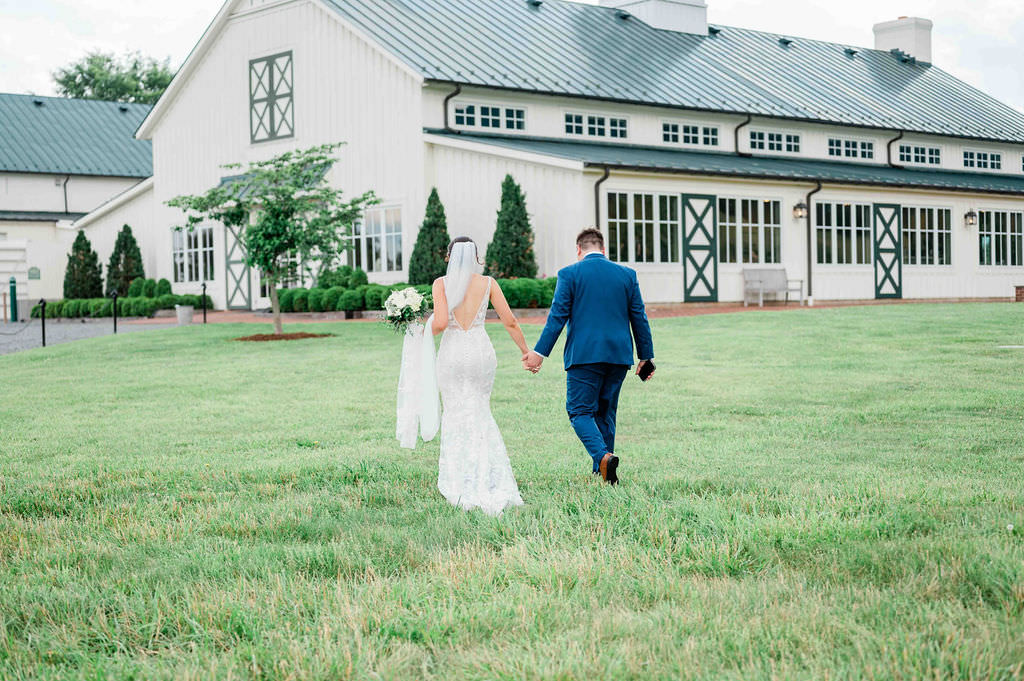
x=25, y=336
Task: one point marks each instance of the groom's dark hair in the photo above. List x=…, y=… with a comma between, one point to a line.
x=590, y=238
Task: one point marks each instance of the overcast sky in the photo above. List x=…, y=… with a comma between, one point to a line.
x=981, y=41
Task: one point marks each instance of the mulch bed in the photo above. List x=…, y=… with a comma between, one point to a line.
x=265, y=337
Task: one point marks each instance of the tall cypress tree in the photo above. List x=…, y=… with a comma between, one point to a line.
x=125, y=263
x=84, y=276
x=511, y=252
x=427, y=261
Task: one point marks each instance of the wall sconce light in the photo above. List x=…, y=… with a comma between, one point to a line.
x=800, y=211
x=970, y=218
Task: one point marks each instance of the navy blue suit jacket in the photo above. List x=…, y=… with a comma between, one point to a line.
x=601, y=303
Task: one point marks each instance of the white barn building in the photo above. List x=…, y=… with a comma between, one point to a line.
x=700, y=150
x=59, y=159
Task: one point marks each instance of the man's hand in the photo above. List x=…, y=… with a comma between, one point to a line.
x=532, y=361
x=640, y=366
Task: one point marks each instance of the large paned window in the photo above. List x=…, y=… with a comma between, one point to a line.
x=643, y=227
x=983, y=160
x=749, y=231
x=850, y=148
x=192, y=255
x=689, y=134
x=775, y=141
x=920, y=155
x=271, y=98
x=377, y=240
x=927, y=236
x=1001, y=238
x=843, y=233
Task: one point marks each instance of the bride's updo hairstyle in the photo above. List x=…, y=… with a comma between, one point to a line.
x=463, y=240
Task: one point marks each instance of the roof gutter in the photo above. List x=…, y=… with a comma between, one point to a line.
x=597, y=197
x=455, y=93
x=736, y=134
x=889, y=148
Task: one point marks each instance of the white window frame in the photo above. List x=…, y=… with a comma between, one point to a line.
x=983, y=159
x=776, y=141
x=578, y=124
x=912, y=250
x=509, y=115
x=862, y=149
x=856, y=237
x=671, y=133
x=469, y=118
x=1013, y=249
x=618, y=127
x=192, y=255
x=920, y=154
x=655, y=226
x=761, y=226
x=387, y=237
x=597, y=125
x=494, y=117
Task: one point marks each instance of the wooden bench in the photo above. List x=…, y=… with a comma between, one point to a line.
x=757, y=282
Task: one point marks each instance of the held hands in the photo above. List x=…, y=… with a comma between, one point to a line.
x=640, y=366
x=532, y=361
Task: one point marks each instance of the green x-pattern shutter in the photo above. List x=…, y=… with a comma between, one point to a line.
x=271, y=98
x=239, y=283
x=700, y=248
x=888, y=259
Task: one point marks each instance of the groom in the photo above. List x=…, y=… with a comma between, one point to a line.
x=600, y=301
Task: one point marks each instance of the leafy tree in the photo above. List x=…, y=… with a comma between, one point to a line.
x=295, y=213
x=130, y=78
x=511, y=252
x=84, y=275
x=125, y=263
x=427, y=261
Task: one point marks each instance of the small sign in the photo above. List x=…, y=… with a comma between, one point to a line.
x=33, y=273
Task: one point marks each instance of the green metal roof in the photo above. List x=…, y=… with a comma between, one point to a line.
x=72, y=137
x=36, y=216
x=568, y=48
x=656, y=159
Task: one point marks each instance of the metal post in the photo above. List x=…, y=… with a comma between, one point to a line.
x=42, y=318
x=14, y=300
x=114, y=294
x=5, y=305
x=204, y=302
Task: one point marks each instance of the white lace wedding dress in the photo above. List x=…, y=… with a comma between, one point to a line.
x=474, y=469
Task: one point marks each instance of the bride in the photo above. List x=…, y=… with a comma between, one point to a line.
x=474, y=469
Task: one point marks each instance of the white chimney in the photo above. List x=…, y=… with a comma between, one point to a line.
x=913, y=35
x=685, y=16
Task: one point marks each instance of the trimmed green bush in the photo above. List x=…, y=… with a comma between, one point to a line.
x=163, y=288
x=126, y=307
x=508, y=287
x=351, y=300
x=83, y=277
x=144, y=307
x=300, y=300
x=190, y=299
x=53, y=308
x=70, y=310
x=167, y=301
x=376, y=295
x=284, y=299
x=357, y=279
x=135, y=288
x=547, y=290
x=149, y=288
x=332, y=278
x=332, y=296
x=37, y=311
x=510, y=253
x=315, y=300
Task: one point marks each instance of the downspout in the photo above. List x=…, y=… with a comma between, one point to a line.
x=810, y=247
x=66, y=211
x=455, y=93
x=597, y=197
x=889, y=148
x=736, y=134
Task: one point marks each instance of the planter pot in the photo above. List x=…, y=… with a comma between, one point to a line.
x=184, y=313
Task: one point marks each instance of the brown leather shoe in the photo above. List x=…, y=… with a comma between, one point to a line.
x=608, y=466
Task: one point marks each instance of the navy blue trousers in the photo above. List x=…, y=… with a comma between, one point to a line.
x=591, y=399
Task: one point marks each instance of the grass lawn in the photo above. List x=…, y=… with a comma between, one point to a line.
x=809, y=494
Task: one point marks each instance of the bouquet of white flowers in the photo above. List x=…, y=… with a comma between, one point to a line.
x=404, y=308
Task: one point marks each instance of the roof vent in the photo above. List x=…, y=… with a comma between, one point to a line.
x=785, y=42
x=623, y=14
x=37, y=102
x=850, y=52
x=714, y=30
x=122, y=108
x=534, y=3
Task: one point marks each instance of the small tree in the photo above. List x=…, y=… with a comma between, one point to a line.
x=427, y=261
x=84, y=275
x=125, y=263
x=294, y=212
x=510, y=254
x=131, y=78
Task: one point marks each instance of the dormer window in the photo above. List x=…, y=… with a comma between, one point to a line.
x=596, y=126
x=844, y=148
x=670, y=134
x=983, y=160
x=465, y=114
x=775, y=141
x=573, y=124
x=490, y=117
x=617, y=127
x=515, y=119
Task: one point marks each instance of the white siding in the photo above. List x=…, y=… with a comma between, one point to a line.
x=42, y=192
x=345, y=91
x=137, y=214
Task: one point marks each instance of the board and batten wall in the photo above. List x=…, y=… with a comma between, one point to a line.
x=345, y=90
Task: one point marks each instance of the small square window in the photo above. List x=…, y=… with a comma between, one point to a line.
x=997, y=161
x=905, y=153
x=670, y=132
x=691, y=134
x=711, y=137
x=774, y=141
x=835, y=147
x=867, y=149
x=793, y=144
x=515, y=119
x=465, y=114
x=850, y=149
x=757, y=140
x=596, y=126
x=490, y=117
x=617, y=127
x=934, y=156
x=573, y=124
